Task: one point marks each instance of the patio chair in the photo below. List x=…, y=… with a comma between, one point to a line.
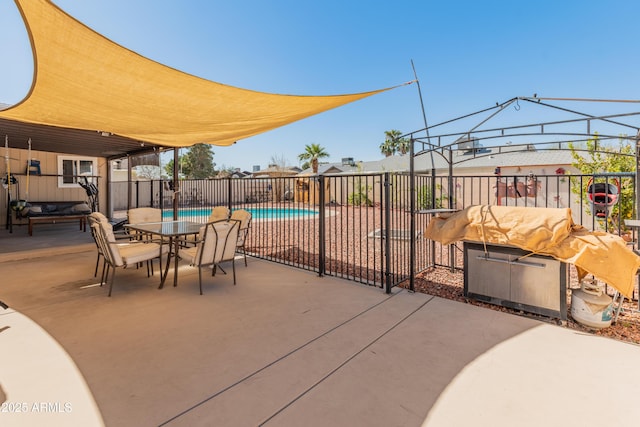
x=219, y=213
x=95, y=217
x=244, y=217
x=216, y=244
x=141, y=216
x=123, y=255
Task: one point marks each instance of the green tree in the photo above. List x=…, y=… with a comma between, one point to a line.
x=313, y=152
x=198, y=162
x=168, y=168
x=599, y=158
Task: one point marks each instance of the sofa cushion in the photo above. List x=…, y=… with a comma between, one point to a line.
x=55, y=209
x=81, y=208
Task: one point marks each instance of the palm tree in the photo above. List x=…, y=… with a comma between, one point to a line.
x=394, y=144
x=403, y=145
x=313, y=152
x=387, y=148
x=391, y=137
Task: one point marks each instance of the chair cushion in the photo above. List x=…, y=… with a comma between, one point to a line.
x=231, y=236
x=243, y=216
x=219, y=213
x=212, y=249
x=143, y=215
x=188, y=254
x=137, y=252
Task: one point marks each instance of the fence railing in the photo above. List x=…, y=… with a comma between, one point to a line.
x=362, y=227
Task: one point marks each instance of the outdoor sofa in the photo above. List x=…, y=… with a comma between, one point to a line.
x=55, y=212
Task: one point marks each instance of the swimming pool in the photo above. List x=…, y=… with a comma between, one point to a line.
x=256, y=213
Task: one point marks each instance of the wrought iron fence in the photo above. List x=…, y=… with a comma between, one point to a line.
x=367, y=227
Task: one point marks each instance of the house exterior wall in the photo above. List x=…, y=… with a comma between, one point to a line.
x=43, y=187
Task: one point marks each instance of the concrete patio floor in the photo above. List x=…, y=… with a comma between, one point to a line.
x=287, y=348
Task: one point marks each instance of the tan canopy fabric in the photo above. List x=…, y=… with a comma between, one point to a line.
x=84, y=81
x=545, y=231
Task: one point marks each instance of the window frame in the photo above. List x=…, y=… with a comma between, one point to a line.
x=77, y=160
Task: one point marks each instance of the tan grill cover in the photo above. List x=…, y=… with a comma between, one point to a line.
x=546, y=231
x=84, y=81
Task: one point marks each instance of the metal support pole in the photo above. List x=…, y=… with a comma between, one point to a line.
x=161, y=194
x=381, y=224
x=412, y=203
x=137, y=194
x=176, y=185
x=229, y=193
x=452, y=247
x=387, y=233
x=129, y=176
x=151, y=192
x=109, y=189
x=433, y=206
x=450, y=188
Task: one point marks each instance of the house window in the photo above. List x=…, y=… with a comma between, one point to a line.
x=71, y=168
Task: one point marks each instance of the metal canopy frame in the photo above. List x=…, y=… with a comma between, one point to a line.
x=544, y=136
x=542, y=131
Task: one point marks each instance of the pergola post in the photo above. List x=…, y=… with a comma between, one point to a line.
x=176, y=185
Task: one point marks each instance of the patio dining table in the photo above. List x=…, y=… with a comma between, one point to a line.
x=172, y=230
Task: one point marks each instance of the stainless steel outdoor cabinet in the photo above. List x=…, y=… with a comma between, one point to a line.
x=514, y=278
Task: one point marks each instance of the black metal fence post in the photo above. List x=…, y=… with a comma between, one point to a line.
x=432, y=205
x=322, y=249
x=137, y=194
x=387, y=232
x=161, y=193
x=229, y=193
x=450, y=205
x=412, y=208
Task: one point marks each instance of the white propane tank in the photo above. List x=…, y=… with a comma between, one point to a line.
x=591, y=306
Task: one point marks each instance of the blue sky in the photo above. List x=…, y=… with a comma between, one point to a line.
x=468, y=56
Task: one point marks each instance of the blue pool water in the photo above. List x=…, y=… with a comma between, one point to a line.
x=256, y=213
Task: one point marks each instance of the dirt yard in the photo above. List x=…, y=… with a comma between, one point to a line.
x=445, y=284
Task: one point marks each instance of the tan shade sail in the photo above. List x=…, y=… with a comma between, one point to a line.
x=84, y=81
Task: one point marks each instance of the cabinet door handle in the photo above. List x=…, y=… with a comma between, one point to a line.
x=506, y=261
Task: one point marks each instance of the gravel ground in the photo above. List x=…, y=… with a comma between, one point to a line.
x=445, y=284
